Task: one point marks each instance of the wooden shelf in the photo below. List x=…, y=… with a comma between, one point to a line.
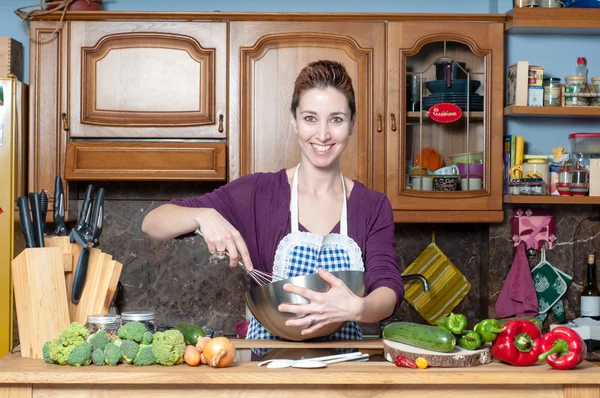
x=553, y=20
x=552, y=200
x=474, y=115
x=552, y=111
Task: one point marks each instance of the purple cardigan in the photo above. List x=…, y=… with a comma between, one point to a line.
x=257, y=205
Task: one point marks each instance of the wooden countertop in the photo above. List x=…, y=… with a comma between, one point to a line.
x=17, y=370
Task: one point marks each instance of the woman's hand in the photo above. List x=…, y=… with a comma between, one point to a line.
x=220, y=235
x=339, y=304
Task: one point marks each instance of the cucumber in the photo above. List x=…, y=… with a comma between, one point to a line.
x=432, y=338
x=533, y=319
x=191, y=333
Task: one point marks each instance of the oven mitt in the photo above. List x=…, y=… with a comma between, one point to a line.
x=558, y=309
x=550, y=286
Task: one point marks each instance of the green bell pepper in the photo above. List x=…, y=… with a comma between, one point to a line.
x=454, y=323
x=470, y=340
x=488, y=329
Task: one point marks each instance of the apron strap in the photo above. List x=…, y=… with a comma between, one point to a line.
x=294, y=205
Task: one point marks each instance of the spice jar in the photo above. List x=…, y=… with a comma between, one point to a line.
x=563, y=186
x=575, y=85
x=552, y=91
x=108, y=322
x=596, y=89
x=579, y=182
x=145, y=317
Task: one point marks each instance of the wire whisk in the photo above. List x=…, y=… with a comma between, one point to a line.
x=260, y=277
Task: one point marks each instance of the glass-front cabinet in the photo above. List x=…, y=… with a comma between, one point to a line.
x=444, y=128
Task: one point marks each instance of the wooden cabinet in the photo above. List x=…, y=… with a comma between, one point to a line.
x=147, y=79
x=99, y=85
x=418, y=52
x=265, y=58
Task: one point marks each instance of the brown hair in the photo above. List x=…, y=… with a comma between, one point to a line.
x=323, y=74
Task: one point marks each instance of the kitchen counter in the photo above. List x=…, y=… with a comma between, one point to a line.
x=21, y=377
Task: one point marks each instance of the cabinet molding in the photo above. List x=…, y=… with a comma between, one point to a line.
x=94, y=59
x=145, y=161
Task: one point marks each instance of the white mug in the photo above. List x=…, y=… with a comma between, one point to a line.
x=447, y=171
x=423, y=183
x=471, y=184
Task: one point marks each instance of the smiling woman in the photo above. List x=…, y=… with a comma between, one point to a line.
x=308, y=219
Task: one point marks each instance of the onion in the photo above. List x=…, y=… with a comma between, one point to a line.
x=201, y=342
x=219, y=352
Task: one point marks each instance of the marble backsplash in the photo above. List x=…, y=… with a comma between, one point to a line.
x=175, y=279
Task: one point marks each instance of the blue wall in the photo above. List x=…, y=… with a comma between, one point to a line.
x=557, y=53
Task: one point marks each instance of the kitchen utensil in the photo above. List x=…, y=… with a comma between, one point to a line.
x=470, y=169
x=36, y=216
x=43, y=208
x=59, y=208
x=472, y=157
x=457, y=358
x=471, y=184
x=446, y=183
x=312, y=362
x=263, y=302
x=429, y=158
x=25, y=221
x=413, y=93
x=447, y=285
x=457, y=86
x=260, y=277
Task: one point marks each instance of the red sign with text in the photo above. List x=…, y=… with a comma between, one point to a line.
x=445, y=112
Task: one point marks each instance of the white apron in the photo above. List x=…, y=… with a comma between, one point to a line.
x=302, y=253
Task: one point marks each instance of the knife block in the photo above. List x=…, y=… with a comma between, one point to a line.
x=100, y=283
x=40, y=298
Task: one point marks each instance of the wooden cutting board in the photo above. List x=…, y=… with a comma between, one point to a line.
x=457, y=358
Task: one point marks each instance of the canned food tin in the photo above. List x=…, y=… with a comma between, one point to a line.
x=575, y=85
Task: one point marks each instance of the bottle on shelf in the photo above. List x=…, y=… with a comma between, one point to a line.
x=581, y=69
x=590, y=296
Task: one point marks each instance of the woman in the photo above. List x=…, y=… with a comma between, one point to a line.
x=306, y=219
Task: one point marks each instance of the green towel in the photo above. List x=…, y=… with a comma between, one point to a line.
x=558, y=309
x=549, y=285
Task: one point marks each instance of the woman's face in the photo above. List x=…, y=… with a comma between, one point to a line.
x=323, y=126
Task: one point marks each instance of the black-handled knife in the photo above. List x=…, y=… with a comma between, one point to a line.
x=43, y=208
x=82, y=265
x=86, y=207
x=36, y=215
x=60, y=229
x=80, y=275
x=25, y=221
x=97, y=219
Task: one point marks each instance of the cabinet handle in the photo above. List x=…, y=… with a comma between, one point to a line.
x=65, y=121
x=220, y=123
x=393, y=122
x=379, y=123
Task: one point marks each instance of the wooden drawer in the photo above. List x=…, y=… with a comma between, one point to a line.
x=150, y=161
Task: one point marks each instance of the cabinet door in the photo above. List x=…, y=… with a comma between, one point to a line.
x=265, y=60
x=444, y=139
x=47, y=99
x=148, y=79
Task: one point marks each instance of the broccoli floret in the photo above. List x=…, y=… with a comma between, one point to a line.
x=98, y=357
x=71, y=337
x=99, y=339
x=132, y=331
x=168, y=347
x=81, y=355
x=147, y=339
x=144, y=356
x=112, y=354
x=117, y=341
x=129, y=350
x=46, y=352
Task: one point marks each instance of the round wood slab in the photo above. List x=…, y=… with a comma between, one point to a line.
x=457, y=358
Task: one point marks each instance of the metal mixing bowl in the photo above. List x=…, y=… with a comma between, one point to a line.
x=263, y=302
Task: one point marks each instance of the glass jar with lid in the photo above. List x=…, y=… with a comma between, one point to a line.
x=575, y=85
x=145, y=317
x=551, y=91
x=108, y=322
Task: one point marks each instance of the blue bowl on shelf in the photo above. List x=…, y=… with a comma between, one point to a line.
x=457, y=86
x=582, y=3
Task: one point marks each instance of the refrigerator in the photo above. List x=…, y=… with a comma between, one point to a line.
x=13, y=177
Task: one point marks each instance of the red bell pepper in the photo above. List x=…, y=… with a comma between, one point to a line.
x=562, y=348
x=519, y=344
